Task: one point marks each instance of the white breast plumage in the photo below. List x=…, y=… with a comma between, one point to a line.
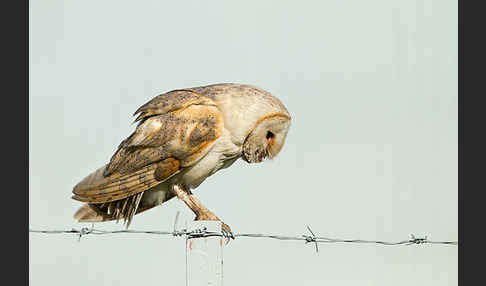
x=223, y=153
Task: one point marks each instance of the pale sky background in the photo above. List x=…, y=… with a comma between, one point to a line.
x=371, y=154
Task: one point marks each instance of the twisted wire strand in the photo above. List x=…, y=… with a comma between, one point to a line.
x=203, y=233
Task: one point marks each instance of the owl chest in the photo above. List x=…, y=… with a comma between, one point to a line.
x=221, y=156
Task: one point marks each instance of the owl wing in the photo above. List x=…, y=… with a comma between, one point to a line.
x=176, y=129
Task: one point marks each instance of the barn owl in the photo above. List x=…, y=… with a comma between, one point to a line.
x=183, y=137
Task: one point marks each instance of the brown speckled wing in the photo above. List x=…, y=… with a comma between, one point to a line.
x=96, y=188
x=183, y=134
x=176, y=131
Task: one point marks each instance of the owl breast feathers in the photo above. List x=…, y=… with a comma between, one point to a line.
x=182, y=137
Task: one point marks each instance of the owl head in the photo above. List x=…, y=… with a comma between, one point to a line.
x=267, y=138
x=255, y=118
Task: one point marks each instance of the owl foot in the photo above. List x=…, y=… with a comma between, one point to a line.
x=227, y=233
x=225, y=229
x=201, y=212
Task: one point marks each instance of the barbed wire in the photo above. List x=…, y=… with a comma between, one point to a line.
x=202, y=232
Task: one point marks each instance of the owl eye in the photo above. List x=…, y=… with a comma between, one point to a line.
x=270, y=134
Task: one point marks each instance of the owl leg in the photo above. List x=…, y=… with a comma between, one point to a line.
x=201, y=212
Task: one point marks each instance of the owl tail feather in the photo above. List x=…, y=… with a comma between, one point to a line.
x=93, y=213
x=87, y=213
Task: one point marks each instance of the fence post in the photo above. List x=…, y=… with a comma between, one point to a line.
x=204, y=256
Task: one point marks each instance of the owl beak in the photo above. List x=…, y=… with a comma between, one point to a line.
x=256, y=157
x=244, y=157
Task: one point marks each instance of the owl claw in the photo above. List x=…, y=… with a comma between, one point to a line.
x=227, y=233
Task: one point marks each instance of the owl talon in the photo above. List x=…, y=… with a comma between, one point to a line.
x=227, y=233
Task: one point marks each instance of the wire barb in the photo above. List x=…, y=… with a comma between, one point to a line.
x=417, y=240
x=84, y=231
x=311, y=238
